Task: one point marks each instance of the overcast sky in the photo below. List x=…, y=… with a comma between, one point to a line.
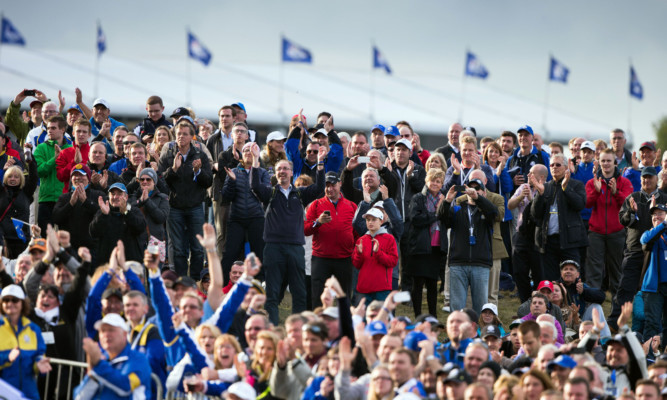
x=422, y=40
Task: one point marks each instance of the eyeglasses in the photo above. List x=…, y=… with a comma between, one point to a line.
x=557, y=165
x=10, y=300
x=311, y=151
x=145, y=179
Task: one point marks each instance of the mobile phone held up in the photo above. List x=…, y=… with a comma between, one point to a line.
x=253, y=260
x=29, y=93
x=402, y=297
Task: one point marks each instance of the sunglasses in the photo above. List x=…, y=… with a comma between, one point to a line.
x=128, y=143
x=145, y=180
x=311, y=151
x=10, y=300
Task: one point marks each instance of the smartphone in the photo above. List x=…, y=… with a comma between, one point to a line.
x=253, y=260
x=154, y=250
x=364, y=159
x=402, y=297
x=27, y=93
x=460, y=188
x=333, y=293
x=327, y=213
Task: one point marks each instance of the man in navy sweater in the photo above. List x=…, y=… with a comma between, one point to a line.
x=284, y=256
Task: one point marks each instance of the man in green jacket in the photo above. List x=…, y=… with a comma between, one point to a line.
x=45, y=156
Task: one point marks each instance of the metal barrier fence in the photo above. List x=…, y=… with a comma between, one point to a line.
x=67, y=370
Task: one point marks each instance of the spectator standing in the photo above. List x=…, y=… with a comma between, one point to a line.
x=452, y=146
x=647, y=158
x=103, y=126
x=15, y=199
x=187, y=171
x=76, y=154
x=525, y=156
x=654, y=284
x=623, y=156
x=154, y=119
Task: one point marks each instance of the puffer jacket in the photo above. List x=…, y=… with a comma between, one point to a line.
x=238, y=192
x=375, y=267
x=28, y=339
x=605, y=205
x=20, y=207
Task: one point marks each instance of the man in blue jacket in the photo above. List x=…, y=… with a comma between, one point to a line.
x=115, y=371
x=525, y=156
x=654, y=282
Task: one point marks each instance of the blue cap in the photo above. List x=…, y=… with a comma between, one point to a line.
x=563, y=361
x=75, y=107
x=526, y=128
x=118, y=186
x=392, y=130
x=412, y=339
x=376, y=328
x=378, y=126
x=239, y=105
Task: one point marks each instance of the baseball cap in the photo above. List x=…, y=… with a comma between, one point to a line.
x=568, y=262
x=516, y=322
x=118, y=186
x=490, y=330
x=546, y=284
x=204, y=272
x=275, y=135
x=112, y=292
x=457, y=375
x=378, y=127
x=392, y=130
x=331, y=177
x=243, y=391
x=239, y=105
x=430, y=319
x=101, y=102
x=649, y=144
x=587, y=145
x=320, y=131
x=526, y=128
x=73, y=107
x=374, y=212
x=376, y=328
x=650, y=171
x=404, y=142
x=331, y=312
x=493, y=366
x=32, y=103
x=179, y=112
x=14, y=291
x=38, y=244
x=492, y=307
x=112, y=319
x=412, y=339
x=185, y=281
x=471, y=314
x=662, y=207
x=563, y=361
x=257, y=285
x=82, y=169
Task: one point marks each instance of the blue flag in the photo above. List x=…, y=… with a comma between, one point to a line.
x=10, y=35
x=558, y=72
x=379, y=61
x=197, y=50
x=101, y=41
x=295, y=53
x=636, y=89
x=474, y=67
x=18, y=225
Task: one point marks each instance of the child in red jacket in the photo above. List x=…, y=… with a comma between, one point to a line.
x=375, y=257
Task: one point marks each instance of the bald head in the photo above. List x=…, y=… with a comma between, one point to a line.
x=540, y=171
x=478, y=174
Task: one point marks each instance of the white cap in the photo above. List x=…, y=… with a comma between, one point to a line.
x=320, y=131
x=102, y=102
x=587, y=145
x=331, y=312
x=112, y=319
x=374, y=212
x=379, y=204
x=275, y=135
x=492, y=307
x=14, y=291
x=404, y=142
x=243, y=391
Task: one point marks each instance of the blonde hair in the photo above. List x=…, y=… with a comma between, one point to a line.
x=435, y=173
x=14, y=170
x=372, y=395
x=255, y=365
x=469, y=140
x=212, y=328
x=440, y=157
x=225, y=338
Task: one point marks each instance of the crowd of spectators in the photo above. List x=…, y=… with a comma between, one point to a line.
x=160, y=256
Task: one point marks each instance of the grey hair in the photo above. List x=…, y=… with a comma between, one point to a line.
x=546, y=324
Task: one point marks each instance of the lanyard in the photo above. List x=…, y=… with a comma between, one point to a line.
x=464, y=176
x=135, y=342
x=470, y=213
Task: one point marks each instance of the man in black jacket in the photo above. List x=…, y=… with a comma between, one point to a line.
x=155, y=110
x=452, y=146
x=470, y=252
x=187, y=171
x=556, y=209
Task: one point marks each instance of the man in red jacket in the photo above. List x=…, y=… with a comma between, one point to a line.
x=77, y=154
x=606, y=193
x=329, y=220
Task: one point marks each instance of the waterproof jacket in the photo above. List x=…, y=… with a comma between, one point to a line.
x=655, y=242
x=245, y=203
x=458, y=218
x=129, y=227
x=375, y=267
x=65, y=163
x=185, y=189
x=419, y=236
x=334, y=239
x=27, y=337
x=638, y=222
x=518, y=164
x=570, y=203
x=50, y=188
x=605, y=205
x=76, y=218
x=156, y=212
x=332, y=163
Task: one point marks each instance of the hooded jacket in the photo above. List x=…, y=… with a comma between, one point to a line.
x=638, y=222
x=375, y=267
x=655, y=243
x=605, y=205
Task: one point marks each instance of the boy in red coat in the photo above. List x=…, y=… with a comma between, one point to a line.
x=375, y=257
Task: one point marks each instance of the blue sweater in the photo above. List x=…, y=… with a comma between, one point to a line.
x=584, y=173
x=653, y=240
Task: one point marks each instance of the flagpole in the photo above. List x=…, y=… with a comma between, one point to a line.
x=371, y=94
x=281, y=81
x=97, y=64
x=546, y=101
x=629, y=127
x=2, y=18
x=463, y=88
